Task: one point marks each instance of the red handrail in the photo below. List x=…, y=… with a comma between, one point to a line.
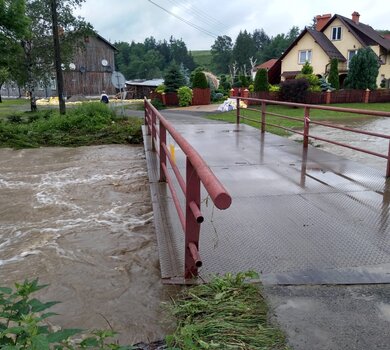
x=197, y=172
x=306, y=121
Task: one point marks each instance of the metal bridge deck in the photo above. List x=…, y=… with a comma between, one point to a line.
x=297, y=217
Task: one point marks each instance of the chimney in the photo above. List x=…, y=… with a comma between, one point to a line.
x=322, y=20
x=355, y=17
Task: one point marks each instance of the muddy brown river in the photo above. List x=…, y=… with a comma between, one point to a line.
x=80, y=219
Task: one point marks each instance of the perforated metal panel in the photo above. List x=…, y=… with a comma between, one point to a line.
x=296, y=216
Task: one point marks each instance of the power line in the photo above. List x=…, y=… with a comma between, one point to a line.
x=201, y=15
x=204, y=31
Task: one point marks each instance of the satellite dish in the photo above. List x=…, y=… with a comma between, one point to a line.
x=118, y=80
x=82, y=69
x=72, y=66
x=104, y=63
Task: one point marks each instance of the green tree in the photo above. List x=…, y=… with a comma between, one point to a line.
x=333, y=78
x=243, y=49
x=261, y=80
x=307, y=68
x=221, y=52
x=363, y=70
x=36, y=63
x=13, y=26
x=173, y=79
x=200, y=80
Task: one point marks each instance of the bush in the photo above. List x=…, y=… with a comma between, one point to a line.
x=157, y=103
x=173, y=79
x=23, y=324
x=160, y=89
x=185, y=96
x=307, y=68
x=294, y=90
x=261, y=80
x=200, y=81
x=333, y=78
x=274, y=88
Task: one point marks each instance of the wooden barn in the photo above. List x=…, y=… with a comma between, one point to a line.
x=90, y=71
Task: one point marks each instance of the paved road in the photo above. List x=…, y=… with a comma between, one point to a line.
x=322, y=317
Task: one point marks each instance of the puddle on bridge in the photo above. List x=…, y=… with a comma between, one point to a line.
x=81, y=220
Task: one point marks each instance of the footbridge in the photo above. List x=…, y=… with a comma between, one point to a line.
x=230, y=198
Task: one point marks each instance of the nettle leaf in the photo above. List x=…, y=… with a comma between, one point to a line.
x=39, y=342
x=5, y=290
x=14, y=330
x=88, y=342
x=62, y=335
x=47, y=315
x=38, y=306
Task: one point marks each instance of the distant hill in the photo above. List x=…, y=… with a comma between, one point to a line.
x=202, y=58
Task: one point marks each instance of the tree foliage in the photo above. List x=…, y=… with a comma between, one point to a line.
x=333, y=78
x=151, y=58
x=244, y=48
x=261, y=80
x=173, y=79
x=363, y=70
x=200, y=80
x=221, y=52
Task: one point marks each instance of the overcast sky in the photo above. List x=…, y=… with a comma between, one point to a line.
x=202, y=20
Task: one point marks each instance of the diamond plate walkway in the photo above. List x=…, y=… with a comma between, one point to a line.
x=296, y=217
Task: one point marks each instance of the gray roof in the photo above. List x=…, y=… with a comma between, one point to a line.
x=321, y=39
x=143, y=82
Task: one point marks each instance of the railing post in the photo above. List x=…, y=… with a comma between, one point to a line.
x=263, y=107
x=163, y=155
x=153, y=131
x=306, y=128
x=238, y=111
x=191, y=257
x=146, y=108
x=388, y=162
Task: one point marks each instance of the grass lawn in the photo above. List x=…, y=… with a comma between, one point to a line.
x=318, y=115
x=13, y=106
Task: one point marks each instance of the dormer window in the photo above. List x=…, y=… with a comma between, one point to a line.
x=336, y=33
x=304, y=56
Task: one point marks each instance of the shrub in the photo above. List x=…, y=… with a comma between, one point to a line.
x=294, y=90
x=261, y=80
x=200, y=81
x=244, y=80
x=274, y=88
x=160, y=89
x=173, y=79
x=307, y=68
x=333, y=78
x=157, y=103
x=324, y=85
x=251, y=88
x=185, y=96
x=363, y=70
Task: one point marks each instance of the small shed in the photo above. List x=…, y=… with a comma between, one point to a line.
x=139, y=88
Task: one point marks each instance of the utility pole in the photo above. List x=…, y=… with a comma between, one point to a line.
x=57, y=57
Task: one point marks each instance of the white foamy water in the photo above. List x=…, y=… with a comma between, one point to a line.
x=81, y=220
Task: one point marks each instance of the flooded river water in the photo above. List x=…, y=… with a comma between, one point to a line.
x=81, y=220
x=371, y=143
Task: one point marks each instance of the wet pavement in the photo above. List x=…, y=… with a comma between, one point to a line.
x=81, y=220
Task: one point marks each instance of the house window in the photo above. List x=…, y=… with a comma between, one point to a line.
x=351, y=53
x=304, y=56
x=336, y=33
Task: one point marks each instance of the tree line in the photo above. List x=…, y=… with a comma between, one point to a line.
x=152, y=58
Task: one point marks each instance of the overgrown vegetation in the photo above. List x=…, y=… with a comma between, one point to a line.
x=23, y=327
x=226, y=313
x=88, y=124
x=185, y=96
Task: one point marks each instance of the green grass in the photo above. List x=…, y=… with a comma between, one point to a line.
x=88, y=124
x=12, y=106
x=202, y=58
x=226, y=313
x=316, y=115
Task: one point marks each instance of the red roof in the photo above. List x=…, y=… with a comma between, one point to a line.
x=266, y=65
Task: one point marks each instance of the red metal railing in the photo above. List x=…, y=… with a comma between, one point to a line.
x=307, y=121
x=197, y=172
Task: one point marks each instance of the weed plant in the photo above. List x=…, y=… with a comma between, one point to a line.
x=226, y=313
x=22, y=325
x=88, y=124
